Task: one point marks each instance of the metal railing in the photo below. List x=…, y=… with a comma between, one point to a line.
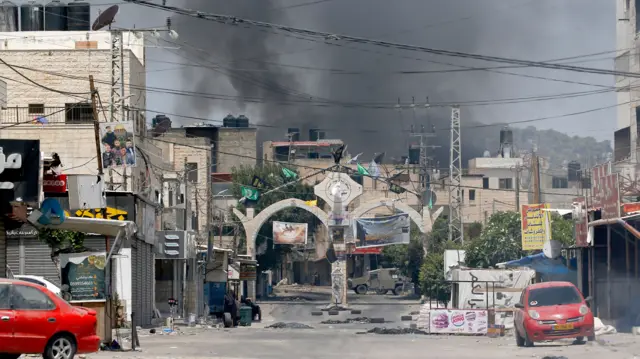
x=70, y=114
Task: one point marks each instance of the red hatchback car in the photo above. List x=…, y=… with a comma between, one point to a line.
x=34, y=320
x=550, y=311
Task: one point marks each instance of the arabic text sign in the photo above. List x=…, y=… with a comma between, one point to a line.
x=289, y=233
x=458, y=321
x=383, y=231
x=534, y=226
x=84, y=274
x=606, y=194
x=20, y=169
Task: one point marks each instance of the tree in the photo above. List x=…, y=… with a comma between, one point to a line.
x=432, y=278
x=406, y=257
x=62, y=241
x=273, y=177
x=562, y=230
x=499, y=241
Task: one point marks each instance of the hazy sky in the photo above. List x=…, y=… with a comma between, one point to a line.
x=525, y=29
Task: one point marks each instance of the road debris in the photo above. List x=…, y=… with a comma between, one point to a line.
x=393, y=331
x=283, y=325
x=359, y=320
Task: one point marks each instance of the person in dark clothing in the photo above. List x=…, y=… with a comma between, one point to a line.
x=231, y=306
x=255, y=309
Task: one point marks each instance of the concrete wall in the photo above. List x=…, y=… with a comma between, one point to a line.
x=236, y=147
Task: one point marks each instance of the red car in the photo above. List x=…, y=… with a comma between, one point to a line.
x=550, y=311
x=33, y=320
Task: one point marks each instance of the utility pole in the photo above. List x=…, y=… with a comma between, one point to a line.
x=96, y=124
x=187, y=200
x=424, y=164
x=289, y=155
x=517, y=187
x=456, y=230
x=535, y=165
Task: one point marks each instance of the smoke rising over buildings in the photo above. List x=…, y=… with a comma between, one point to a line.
x=243, y=65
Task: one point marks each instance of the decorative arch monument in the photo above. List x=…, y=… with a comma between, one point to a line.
x=338, y=190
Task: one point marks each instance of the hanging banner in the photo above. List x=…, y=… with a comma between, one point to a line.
x=383, y=231
x=289, y=233
x=458, y=321
x=84, y=274
x=580, y=220
x=535, y=222
x=118, y=148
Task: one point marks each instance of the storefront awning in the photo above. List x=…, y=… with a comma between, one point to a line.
x=105, y=227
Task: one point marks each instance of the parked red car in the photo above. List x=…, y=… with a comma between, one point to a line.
x=33, y=320
x=550, y=311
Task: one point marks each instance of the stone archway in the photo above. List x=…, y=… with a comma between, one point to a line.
x=252, y=225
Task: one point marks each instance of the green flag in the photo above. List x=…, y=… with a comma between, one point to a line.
x=363, y=171
x=289, y=173
x=249, y=193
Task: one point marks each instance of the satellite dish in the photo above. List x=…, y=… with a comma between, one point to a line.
x=551, y=249
x=106, y=18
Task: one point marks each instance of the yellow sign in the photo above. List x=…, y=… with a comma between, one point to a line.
x=111, y=213
x=536, y=224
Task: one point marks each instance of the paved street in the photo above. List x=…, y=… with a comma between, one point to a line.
x=326, y=341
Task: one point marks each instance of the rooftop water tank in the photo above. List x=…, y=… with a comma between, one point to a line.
x=55, y=16
x=229, y=121
x=31, y=17
x=9, y=14
x=78, y=16
x=506, y=136
x=242, y=121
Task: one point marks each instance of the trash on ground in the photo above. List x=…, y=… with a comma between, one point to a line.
x=358, y=320
x=600, y=329
x=393, y=331
x=283, y=325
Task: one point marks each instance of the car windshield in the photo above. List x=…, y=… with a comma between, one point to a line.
x=543, y=297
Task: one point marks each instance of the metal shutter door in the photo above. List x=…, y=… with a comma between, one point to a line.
x=148, y=285
x=37, y=260
x=137, y=274
x=3, y=249
x=96, y=244
x=13, y=255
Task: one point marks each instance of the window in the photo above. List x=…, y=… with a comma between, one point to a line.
x=506, y=183
x=78, y=113
x=192, y=172
x=31, y=280
x=559, y=182
x=622, y=65
x=485, y=183
x=462, y=195
x=29, y=298
x=170, y=198
x=549, y=296
x=36, y=108
x=194, y=222
x=5, y=303
x=472, y=195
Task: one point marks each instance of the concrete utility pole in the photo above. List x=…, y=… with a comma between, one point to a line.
x=456, y=230
x=535, y=165
x=289, y=154
x=517, y=187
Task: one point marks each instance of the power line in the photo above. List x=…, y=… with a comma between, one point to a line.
x=231, y=20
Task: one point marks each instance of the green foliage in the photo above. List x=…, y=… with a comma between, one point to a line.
x=273, y=176
x=58, y=239
x=499, y=241
x=562, y=230
x=406, y=257
x=432, y=278
x=473, y=231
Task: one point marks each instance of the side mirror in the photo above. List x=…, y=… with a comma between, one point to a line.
x=588, y=299
x=519, y=305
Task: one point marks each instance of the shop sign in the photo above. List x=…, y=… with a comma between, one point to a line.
x=605, y=191
x=84, y=273
x=20, y=170
x=581, y=221
x=54, y=184
x=26, y=231
x=247, y=271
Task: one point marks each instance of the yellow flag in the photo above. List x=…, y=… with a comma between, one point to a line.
x=313, y=203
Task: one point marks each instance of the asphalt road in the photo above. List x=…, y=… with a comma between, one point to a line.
x=332, y=341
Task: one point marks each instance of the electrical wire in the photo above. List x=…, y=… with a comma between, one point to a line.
x=40, y=85
x=232, y=20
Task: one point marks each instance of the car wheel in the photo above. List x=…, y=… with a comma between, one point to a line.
x=60, y=347
x=519, y=339
x=228, y=320
x=362, y=289
x=591, y=338
x=397, y=290
x=382, y=291
x=527, y=342
x=9, y=356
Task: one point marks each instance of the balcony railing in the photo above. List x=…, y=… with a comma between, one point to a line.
x=71, y=113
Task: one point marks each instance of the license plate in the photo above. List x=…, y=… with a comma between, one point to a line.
x=563, y=327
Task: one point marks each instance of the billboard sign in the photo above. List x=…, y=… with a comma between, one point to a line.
x=383, y=231
x=118, y=147
x=535, y=222
x=20, y=170
x=289, y=233
x=84, y=273
x=54, y=183
x=581, y=221
x=605, y=191
x=458, y=321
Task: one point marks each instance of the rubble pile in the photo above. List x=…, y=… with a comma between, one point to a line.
x=394, y=331
x=358, y=320
x=283, y=325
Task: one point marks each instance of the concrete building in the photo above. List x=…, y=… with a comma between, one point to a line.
x=625, y=154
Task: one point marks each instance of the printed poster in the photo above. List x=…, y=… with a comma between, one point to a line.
x=535, y=226
x=383, y=231
x=84, y=273
x=118, y=147
x=443, y=321
x=289, y=233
